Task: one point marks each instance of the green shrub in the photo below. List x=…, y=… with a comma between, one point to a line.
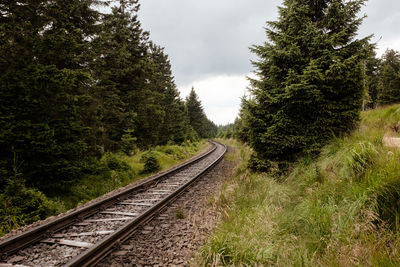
x=21, y=205
x=115, y=163
x=169, y=151
x=128, y=143
x=151, y=162
x=175, y=151
x=257, y=165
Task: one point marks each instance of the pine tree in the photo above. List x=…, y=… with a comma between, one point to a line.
x=172, y=128
x=154, y=105
x=121, y=50
x=44, y=83
x=196, y=113
x=372, y=72
x=310, y=84
x=241, y=128
x=203, y=127
x=389, y=81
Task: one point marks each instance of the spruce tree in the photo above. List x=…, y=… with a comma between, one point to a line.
x=196, y=113
x=172, y=128
x=44, y=84
x=121, y=51
x=202, y=126
x=389, y=81
x=241, y=128
x=372, y=72
x=310, y=78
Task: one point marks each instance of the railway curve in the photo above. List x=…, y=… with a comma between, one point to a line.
x=85, y=236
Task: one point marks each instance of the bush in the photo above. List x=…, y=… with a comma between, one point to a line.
x=176, y=152
x=151, y=162
x=257, y=165
x=21, y=205
x=169, y=151
x=114, y=163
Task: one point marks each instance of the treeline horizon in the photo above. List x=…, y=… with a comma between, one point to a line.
x=77, y=83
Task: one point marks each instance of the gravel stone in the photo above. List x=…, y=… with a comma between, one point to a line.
x=173, y=241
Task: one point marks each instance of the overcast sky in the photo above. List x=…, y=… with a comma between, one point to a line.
x=208, y=40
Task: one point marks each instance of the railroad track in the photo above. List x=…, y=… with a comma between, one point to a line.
x=85, y=236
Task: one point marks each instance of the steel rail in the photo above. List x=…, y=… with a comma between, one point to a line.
x=96, y=253
x=26, y=238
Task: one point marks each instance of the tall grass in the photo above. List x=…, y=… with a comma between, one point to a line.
x=340, y=209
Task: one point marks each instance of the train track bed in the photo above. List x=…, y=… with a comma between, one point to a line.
x=91, y=202
x=175, y=234
x=91, y=234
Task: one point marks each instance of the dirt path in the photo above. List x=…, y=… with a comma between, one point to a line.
x=391, y=141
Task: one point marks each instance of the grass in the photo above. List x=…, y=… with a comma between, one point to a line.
x=340, y=209
x=125, y=170
x=22, y=205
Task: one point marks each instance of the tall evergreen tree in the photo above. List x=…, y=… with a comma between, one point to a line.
x=310, y=82
x=152, y=113
x=122, y=52
x=136, y=95
x=198, y=120
x=372, y=72
x=241, y=127
x=196, y=113
x=172, y=127
x=44, y=83
x=389, y=82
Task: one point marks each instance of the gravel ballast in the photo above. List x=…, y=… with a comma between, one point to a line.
x=173, y=237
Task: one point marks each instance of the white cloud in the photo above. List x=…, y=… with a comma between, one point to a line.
x=209, y=46
x=388, y=43
x=220, y=95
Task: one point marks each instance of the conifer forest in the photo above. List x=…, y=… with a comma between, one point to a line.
x=86, y=97
x=76, y=83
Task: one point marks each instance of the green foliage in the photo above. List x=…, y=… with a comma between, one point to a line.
x=389, y=80
x=198, y=119
x=44, y=88
x=372, y=73
x=128, y=143
x=114, y=162
x=362, y=157
x=119, y=53
x=226, y=131
x=241, y=125
x=77, y=83
x=151, y=162
x=388, y=203
x=21, y=205
x=310, y=81
x=338, y=209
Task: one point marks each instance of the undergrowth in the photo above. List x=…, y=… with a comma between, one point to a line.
x=117, y=170
x=21, y=205
x=340, y=209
